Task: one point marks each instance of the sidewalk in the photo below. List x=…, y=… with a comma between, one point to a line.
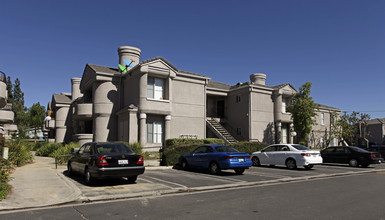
x=39, y=184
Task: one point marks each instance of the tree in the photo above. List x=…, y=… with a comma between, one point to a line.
x=350, y=127
x=9, y=90
x=36, y=117
x=21, y=118
x=303, y=111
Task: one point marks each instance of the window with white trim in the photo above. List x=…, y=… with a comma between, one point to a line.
x=283, y=105
x=322, y=118
x=154, y=132
x=155, y=88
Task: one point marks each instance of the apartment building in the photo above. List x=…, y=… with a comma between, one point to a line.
x=150, y=101
x=7, y=128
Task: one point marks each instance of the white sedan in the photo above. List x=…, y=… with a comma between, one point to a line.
x=289, y=155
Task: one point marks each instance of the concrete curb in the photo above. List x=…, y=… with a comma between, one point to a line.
x=218, y=187
x=77, y=197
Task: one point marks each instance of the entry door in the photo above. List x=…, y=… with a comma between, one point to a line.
x=221, y=109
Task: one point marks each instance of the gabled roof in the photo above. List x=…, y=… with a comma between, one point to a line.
x=103, y=69
x=168, y=63
x=218, y=85
x=61, y=99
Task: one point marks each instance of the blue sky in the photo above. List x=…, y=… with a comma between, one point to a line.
x=338, y=45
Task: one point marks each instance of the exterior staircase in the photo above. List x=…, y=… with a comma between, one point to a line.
x=220, y=131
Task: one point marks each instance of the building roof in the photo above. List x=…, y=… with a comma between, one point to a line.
x=376, y=121
x=172, y=66
x=103, y=69
x=328, y=107
x=218, y=85
x=61, y=99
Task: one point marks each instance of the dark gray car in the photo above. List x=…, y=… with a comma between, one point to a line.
x=106, y=160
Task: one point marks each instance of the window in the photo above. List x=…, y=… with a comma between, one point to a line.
x=154, y=132
x=155, y=88
x=322, y=118
x=283, y=105
x=269, y=149
x=238, y=99
x=239, y=131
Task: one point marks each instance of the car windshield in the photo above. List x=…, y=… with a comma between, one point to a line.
x=300, y=147
x=225, y=149
x=357, y=149
x=113, y=148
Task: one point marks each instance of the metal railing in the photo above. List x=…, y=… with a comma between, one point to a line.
x=56, y=158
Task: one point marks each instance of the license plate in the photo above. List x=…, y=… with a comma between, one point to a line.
x=241, y=160
x=122, y=162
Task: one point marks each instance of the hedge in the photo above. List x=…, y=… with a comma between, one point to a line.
x=180, y=141
x=171, y=154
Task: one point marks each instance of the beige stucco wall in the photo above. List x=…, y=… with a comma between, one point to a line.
x=262, y=115
x=238, y=113
x=188, y=107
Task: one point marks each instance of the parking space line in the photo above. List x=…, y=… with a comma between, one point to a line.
x=177, y=184
x=208, y=176
x=266, y=175
x=146, y=180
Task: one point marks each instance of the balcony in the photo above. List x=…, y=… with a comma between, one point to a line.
x=83, y=111
x=50, y=124
x=3, y=90
x=6, y=114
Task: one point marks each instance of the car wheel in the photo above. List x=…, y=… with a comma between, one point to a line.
x=184, y=164
x=69, y=169
x=132, y=179
x=88, y=178
x=291, y=164
x=256, y=161
x=214, y=168
x=239, y=171
x=353, y=163
x=308, y=167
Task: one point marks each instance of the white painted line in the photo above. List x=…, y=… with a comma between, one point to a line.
x=184, y=187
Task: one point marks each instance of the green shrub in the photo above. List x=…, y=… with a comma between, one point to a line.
x=19, y=152
x=5, y=167
x=171, y=155
x=248, y=147
x=4, y=190
x=62, y=153
x=48, y=149
x=38, y=145
x=179, y=141
x=213, y=141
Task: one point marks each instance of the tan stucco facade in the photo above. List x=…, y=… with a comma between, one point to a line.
x=151, y=101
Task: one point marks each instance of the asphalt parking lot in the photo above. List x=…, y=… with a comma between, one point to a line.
x=158, y=180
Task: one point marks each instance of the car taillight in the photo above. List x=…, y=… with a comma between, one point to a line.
x=305, y=154
x=228, y=157
x=102, y=161
x=140, y=161
x=372, y=156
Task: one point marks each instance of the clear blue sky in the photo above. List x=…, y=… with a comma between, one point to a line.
x=338, y=45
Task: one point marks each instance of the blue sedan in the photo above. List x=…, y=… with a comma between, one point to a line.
x=216, y=158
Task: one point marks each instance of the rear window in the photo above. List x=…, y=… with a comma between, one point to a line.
x=357, y=149
x=300, y=147
x=225, y=149
x=113, y=148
